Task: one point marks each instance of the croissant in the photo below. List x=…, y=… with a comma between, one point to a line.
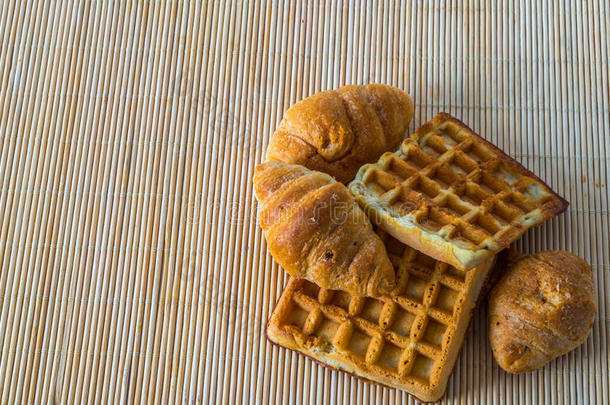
x=544, y=306
x=337, y=131
x=315, y=230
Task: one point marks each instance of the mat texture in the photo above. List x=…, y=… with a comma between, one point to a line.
x=132, y=266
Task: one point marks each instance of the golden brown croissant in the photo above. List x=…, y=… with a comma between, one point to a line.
x=544, y=306
x=315, y=230
x=337, y=131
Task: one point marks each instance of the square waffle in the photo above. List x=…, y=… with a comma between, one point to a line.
x=409, y=340
x=452, y=195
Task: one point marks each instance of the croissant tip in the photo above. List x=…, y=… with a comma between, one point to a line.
x=384, y=284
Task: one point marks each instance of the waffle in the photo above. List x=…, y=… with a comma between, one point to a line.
x=452, y=195
x=408, y=340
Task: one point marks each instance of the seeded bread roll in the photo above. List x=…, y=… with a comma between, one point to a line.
x=543, y=307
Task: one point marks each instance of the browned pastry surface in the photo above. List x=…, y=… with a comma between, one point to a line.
x=337, y=131
x=408, y=339
x=544, y=306
x=315, y=230
x=452, y=195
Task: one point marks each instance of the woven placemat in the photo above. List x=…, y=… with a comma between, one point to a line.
x=132, y=266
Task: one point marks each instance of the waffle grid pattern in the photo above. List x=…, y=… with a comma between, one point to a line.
x=450, y=182
x=409, y=339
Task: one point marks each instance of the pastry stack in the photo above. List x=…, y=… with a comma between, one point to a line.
x=389, y=240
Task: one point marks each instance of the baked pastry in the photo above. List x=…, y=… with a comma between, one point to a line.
x=408, y=340
x=315, y=230
x=543, y=307
x=452, y=195
x=337, y=131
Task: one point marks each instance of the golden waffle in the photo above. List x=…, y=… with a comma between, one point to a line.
x=409, y=340
x=452, y=195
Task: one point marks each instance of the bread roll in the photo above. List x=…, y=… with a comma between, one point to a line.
x=337, y=131
x=543, y=307
x=315, y=230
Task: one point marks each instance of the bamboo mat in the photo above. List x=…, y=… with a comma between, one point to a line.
x=133, y=269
